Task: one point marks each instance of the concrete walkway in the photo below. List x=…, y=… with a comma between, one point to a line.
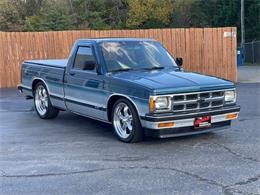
x=248, y=74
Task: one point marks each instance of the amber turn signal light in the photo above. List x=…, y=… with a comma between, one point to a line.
x=167, y=124
x=151, y=104
x=231, y=116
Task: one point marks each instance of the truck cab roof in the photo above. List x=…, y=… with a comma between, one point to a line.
x=107, y=39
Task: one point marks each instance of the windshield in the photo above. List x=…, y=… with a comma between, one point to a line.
x=135, y=55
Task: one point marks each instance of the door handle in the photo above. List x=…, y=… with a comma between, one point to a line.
x=72, y=73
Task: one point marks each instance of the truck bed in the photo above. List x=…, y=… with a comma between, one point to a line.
x=50, y=71
x=59, y=63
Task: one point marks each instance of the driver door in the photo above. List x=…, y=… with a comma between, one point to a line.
x=84, y=88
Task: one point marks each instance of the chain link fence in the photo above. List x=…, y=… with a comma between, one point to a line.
x=252, y=52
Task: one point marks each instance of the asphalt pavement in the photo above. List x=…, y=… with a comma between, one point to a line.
x=248, y=74
x=76, y=155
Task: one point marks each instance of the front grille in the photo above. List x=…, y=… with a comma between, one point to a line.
x=197, y=100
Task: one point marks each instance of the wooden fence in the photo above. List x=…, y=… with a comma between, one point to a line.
x=209, y=51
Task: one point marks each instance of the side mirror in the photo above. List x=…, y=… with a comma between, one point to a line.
x=89, y=65
x=179, y=62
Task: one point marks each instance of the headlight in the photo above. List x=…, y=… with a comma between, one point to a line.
x=159, y=104
x=230, y=96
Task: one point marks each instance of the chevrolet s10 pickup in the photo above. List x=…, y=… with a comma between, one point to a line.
x=134, y=84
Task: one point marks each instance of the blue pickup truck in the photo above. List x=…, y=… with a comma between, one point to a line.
x=134, y=84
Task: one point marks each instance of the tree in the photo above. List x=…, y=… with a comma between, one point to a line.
x=14, y=12
x=187, y=13
x=99, y=14
x=54, y=19
x=149, y=13
x=252, y=20
x=41, y=15
x=217, y=13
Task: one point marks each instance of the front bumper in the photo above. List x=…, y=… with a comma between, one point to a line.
x=183, y=123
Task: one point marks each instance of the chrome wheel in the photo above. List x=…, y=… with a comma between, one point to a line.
x=123, y=120
x=41, y=100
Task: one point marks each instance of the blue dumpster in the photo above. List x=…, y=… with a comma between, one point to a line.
x=240, y=56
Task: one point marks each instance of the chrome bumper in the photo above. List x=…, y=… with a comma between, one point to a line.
x=183, y=124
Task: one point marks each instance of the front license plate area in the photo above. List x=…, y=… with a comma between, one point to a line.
x=202, y=122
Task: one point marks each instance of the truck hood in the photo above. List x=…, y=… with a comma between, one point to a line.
x=172, y=81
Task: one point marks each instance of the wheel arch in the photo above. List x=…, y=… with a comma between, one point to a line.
x=37, y=80
x=112, y=100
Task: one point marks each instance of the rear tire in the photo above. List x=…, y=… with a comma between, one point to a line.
x=126, y=122
x=42, y=102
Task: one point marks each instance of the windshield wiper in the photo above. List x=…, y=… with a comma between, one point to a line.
x=155, y=68
x=122, y=69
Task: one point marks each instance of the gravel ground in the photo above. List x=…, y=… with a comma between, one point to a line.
x=77, y=155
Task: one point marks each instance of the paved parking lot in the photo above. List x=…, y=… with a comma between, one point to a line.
x=76, y=155
x=249, y=74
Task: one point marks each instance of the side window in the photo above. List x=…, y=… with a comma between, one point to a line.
x=84, y=59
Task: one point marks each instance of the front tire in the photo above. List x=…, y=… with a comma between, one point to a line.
x=42, y=102
x=126, y=122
